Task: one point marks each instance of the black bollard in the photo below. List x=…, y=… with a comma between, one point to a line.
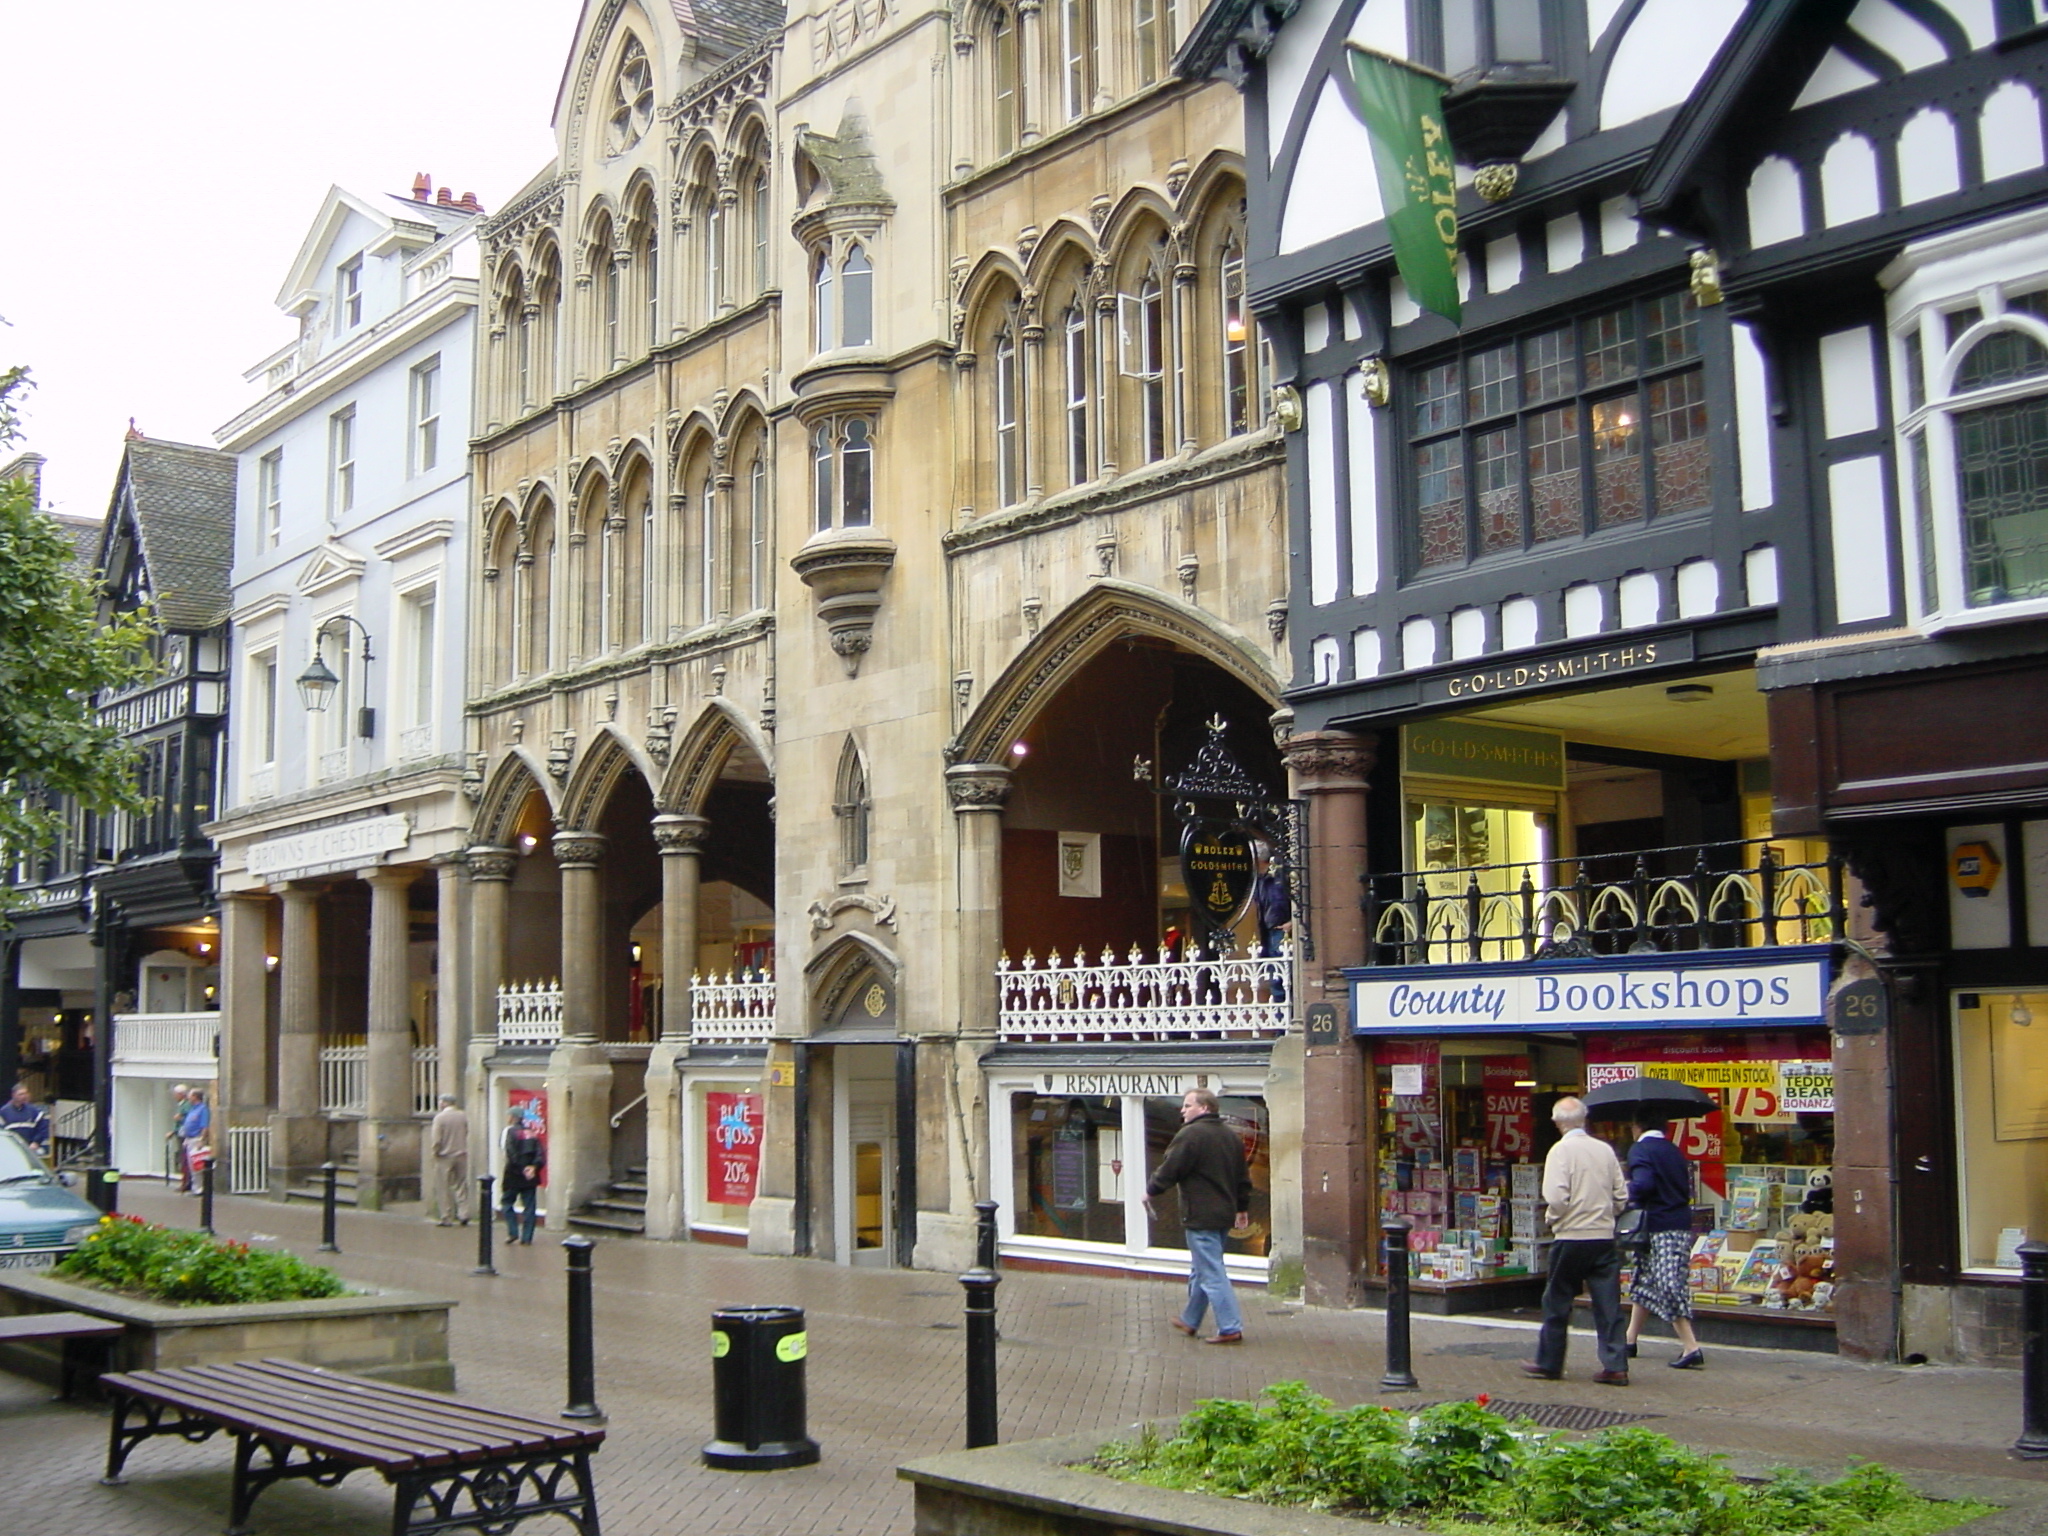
x=985, y=1234
x=1400, y=1375
x=327, y=1242
x=2032, y=1444
x=582, y=1349
x=206, y=1196
x=486, y=1227
x=103, y=1189
x=757, y=1390
x=980, y=1284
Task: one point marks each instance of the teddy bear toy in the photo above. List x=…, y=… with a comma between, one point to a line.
x=1820, y=1194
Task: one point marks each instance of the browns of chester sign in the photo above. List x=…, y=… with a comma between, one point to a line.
x=1217, y=866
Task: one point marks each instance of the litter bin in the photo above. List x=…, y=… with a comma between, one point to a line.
x=757, y=1390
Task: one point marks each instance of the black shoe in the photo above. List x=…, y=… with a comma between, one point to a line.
x=1632, y=1351
x=1693, y=1360
x=1611, y=1378
x=1532, y=1369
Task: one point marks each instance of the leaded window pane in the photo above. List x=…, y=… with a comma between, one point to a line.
x=856, y=473
x=2001, y=358
x=2002, y=467
x=1610, y=346
x=1671, y=332
x=1682, y=458
x=1916, y=371
x=1957, y=321
x=2035, y=303
x=1440, y=510
x=1556, y=501
x=1497, y=479
x=1923, y=522
x=1550, y=371
x=1490, y=382
x=1617, y=462
x=1437, y=398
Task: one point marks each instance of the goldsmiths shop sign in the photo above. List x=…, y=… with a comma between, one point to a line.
x=1776, y=988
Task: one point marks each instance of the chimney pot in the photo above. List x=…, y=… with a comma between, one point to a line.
x=441, y=196
x=469, y=204
x=422, y=184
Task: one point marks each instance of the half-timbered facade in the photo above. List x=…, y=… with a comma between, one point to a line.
x=1736, y=406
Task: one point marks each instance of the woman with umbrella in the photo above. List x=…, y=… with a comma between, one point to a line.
x=1660, y=1185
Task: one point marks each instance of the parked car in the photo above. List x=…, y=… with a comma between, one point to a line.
x=40, y=1220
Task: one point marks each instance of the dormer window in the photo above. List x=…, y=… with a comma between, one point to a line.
x=348, y=293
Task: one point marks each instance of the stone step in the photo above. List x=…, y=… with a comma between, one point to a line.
x=630, y=1208
x=583, y=1221
x=630, y=1187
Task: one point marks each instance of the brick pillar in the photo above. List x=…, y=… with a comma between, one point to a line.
x=1329, y=769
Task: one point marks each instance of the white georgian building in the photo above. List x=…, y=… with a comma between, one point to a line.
x=338, y=822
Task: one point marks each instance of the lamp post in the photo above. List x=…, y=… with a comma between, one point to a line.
x=317, y=684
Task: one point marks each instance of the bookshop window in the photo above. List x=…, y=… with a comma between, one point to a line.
x=1067, y=1155
x=2002, y=1123
x=1247, y=1117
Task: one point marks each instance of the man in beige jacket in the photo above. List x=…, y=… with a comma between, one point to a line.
x=450, y=1137
x=1583, y=1188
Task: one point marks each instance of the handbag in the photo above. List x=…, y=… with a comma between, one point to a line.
x=1631, y=1230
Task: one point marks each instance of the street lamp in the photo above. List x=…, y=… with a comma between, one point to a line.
x=318, y=682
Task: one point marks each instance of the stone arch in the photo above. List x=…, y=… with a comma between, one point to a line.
x=604, y=762
x=1137, y=209
x=1109, y=611
x=518, y=774
x=836, y=970
x=1065, y=241
x=1217, y=180
x=995, y=270
x=700, y=757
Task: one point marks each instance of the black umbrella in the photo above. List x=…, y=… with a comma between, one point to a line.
x=1649, y=1098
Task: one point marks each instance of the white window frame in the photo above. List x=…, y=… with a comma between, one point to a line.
x=1982, y=268
x=426, y=415
x=416, y=680
x=348, y=293
x=341, y=461
x=270, y=498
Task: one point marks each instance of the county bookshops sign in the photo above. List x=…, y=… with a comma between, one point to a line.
x=1777, y=988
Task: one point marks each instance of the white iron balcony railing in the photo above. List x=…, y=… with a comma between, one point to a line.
x=1139, y=999
x=345, y=1079
x=165, y=1037
x=731, y=1007
x=1734, y=895
x=530, y=1013
x=248, y=1167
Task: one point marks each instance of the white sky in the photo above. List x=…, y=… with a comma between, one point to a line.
x=157, y=184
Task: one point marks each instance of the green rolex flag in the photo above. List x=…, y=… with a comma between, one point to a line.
x=1402, y=107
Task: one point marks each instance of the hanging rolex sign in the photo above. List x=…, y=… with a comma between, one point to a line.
x=1217, y=866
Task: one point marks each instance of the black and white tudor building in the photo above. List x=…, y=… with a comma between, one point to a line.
x=1671, y=639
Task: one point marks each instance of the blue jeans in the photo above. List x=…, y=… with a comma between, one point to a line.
x=1208, y=1285
x=517, y=1196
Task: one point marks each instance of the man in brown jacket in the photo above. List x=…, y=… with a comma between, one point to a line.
x=1583, y=1188
x=450, y=1139
x=1206, y=1159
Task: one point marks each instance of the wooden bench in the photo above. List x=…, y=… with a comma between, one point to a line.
x=452, y=1465
x=70, y=1329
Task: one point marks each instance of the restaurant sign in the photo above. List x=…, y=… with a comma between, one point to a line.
x=1766, y=988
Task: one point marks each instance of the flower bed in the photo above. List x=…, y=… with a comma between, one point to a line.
x=1461, y=1467
x=152, y=1263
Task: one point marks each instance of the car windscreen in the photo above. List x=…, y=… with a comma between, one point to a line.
x=16, y=1160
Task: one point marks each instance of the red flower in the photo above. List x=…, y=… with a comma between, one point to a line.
x=1483, y=1399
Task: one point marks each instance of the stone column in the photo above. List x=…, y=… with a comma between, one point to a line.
x=490, y=890
x=681, y=841
x=947, y=1187
x=388, y=1149
x=243, y=1097
x=298, y=1132
x=451, y=974
x=1030, y=45
x=1329, y=768
x=579, y=1070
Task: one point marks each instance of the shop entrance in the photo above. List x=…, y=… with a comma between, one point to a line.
x=864, y=1158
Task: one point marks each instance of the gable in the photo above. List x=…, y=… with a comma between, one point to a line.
x=332, y=564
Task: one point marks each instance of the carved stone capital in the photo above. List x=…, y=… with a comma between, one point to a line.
x=678, y=834
x=977, y=786
x=487, y=862
x=1331, y=762
x=579, y=850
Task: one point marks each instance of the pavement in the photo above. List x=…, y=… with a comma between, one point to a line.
x=1078, y=1355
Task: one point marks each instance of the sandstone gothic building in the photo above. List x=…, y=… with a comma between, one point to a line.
x=878, y=502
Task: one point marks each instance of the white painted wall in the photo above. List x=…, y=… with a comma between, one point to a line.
x=1857, y=540
x=1848, y=382
x=1365, y=537
x=1662, y=56
x=1320, y=442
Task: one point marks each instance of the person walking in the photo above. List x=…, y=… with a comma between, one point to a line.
x=174, y=1138
x=1660, y=1185
x=449, y=1136
x=195, y=1135
x=526, y=1159
x=22, y=1115
x=1583, y=1190
x=1205, y=1160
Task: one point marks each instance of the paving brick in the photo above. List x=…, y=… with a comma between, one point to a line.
x=884, y=1378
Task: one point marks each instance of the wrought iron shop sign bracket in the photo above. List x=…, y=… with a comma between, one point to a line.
x=1222, y=812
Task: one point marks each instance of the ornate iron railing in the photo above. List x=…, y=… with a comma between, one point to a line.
x=166, y=1037
x=344, y=1079
x=248, y=1161
x=530, y=1013
x=1734, y=895
x=732, y=1006
x=1136, y=998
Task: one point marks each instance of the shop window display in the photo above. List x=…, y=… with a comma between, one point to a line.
x=2001, y=1043
x=1248, y=1118
x=1464, y=1123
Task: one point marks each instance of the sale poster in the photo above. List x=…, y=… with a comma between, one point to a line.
x=1413, y=1080
x=732, y=1162
x=532, y=1106
x=1510, y=1113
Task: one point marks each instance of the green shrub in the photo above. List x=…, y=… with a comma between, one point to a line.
x=156, y=1263
x=1627, y=1481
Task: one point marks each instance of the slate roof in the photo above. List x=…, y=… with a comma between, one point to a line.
x=729, y=26
x=184, y=503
